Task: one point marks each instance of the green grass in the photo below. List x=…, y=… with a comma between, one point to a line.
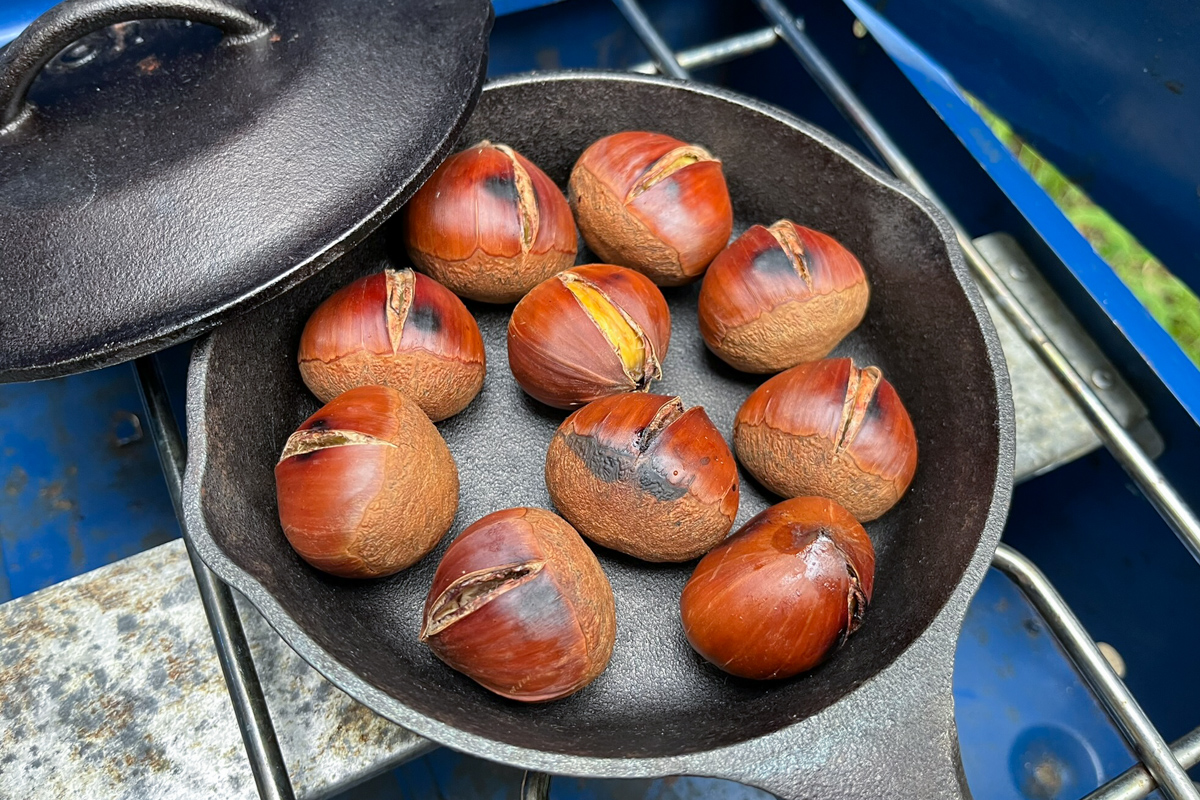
x=1167, y=298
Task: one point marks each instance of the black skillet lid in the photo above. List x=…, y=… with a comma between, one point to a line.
x=201, y=156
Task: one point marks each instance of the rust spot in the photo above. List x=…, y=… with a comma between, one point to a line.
x=117, y=716
x=1175, y=87
x=105, y=593
x=52, y=495
x=185, y=666
x=18, y=479
x=148, y=64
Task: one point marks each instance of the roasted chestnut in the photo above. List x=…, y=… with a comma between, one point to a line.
x=783, y=593
x=639, y=474
x=586, y=333
x=520, y=605
x=490, y=225
x=395, y=328
x=366, y=486
x=653, y=203
x=831, y=429
x=780, y=296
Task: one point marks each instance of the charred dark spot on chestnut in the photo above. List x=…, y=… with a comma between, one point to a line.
x=659, y=486
x=425, y=318
x=606, y=463
x=318, y=424
x=874, y=414
x=501, y=187
x=773, y=261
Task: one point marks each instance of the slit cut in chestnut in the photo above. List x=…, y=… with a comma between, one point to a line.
x=471, y=592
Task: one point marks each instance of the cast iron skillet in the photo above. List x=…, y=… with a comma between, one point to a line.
x=877, y=720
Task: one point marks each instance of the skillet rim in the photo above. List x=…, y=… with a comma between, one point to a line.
x=727, y=761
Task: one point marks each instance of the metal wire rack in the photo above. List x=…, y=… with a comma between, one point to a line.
x=1162, y=766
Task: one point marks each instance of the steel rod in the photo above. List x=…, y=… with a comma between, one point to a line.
x=1143, y=737
x=718, y=52
x=659, y=51
x=535, y=786
x=1135, y=782
x=1158, y=490
x=233, y=650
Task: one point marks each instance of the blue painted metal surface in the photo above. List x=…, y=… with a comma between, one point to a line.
x=1107, y=90
x=16, y=14
x=503, y=7
x=1129, y=582
x=1029, y=729
x=944, y=95
x=80, y=484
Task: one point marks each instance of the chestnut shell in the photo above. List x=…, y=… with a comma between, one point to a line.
x=781, y=296
x=490, y=225
x=558, y=352
x=783, y=593
x=639, y=474
x=831, y=429
x=395, y=328
x=652, y=203
x=366, y=486
x=521, y=605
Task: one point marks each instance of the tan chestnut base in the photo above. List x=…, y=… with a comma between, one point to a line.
x=441, y=387
x=618, y=237
x=793, y=333
x=796, y=466
x=619, y=516
x=493, y=279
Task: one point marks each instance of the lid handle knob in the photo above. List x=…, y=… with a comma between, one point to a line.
x=67, y=22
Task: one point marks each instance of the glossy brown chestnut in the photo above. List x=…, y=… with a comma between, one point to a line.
x=653, y=203
x=783, y=593
x=366, y=486
x=780, y=296
x=831, y=429
x=520, y=605
x=490, y=225
x=639, y=474
x=395, y=328
x=587, y=333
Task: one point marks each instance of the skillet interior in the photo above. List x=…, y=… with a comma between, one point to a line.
x=657, y=698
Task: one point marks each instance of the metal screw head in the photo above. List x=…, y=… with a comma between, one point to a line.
x=1103, y=379
x=1018, y=272
x=859, y=30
